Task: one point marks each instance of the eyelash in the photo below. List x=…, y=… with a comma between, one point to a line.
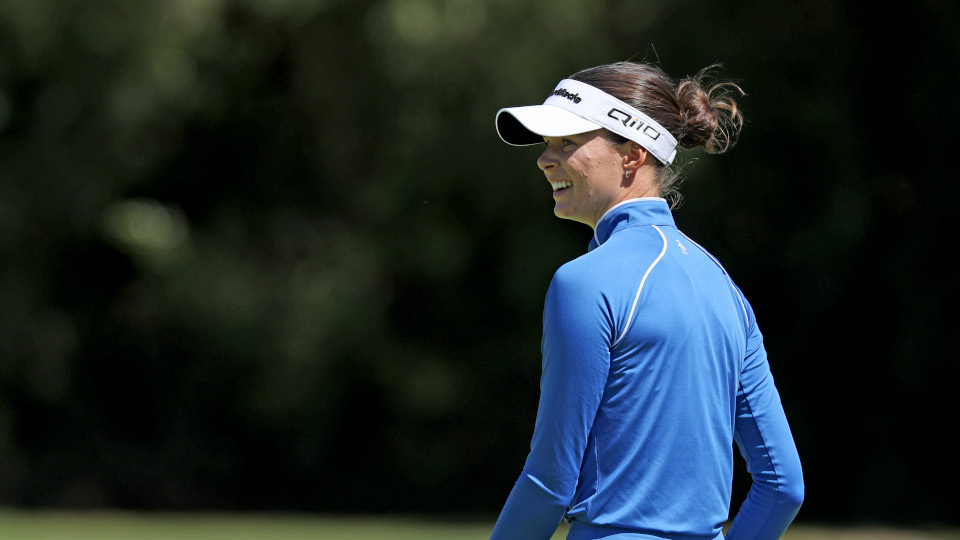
x=563, y=142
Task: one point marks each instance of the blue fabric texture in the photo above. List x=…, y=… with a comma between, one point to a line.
x=653, y=367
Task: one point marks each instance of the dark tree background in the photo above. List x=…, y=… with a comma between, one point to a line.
x=270, y=254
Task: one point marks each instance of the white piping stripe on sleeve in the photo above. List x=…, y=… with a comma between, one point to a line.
x=640, y=288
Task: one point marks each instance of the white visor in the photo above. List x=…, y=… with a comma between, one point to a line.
x=575, y=107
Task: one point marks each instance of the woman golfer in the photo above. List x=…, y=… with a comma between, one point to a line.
x=653, y=365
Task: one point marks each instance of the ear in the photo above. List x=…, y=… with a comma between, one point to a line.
x=634, y=156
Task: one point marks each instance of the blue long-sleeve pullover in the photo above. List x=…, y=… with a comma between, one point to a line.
x=653, y=366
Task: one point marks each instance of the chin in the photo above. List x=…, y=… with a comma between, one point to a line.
x=569, y=217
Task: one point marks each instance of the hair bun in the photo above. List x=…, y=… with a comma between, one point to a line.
x=709, y=112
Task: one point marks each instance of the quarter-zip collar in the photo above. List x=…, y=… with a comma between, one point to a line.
x=631, y=213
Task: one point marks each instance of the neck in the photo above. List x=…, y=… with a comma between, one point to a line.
x=642, y=185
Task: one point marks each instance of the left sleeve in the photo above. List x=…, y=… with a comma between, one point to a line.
x=767, y=446
x=576, y=360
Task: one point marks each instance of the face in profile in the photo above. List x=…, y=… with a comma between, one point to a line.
x=585, y=172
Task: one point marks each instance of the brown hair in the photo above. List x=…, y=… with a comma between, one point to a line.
x=698, y=112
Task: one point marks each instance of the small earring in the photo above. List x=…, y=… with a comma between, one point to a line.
x=626, y=175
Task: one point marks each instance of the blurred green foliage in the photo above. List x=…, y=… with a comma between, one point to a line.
x=270, y=254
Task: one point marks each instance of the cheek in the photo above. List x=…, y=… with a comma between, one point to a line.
x=585, y=165
x=594, y=169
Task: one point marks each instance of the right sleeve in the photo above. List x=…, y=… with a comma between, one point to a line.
x=766, y=444
x=576, y=360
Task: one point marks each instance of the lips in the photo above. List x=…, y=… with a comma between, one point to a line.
x=557, y=186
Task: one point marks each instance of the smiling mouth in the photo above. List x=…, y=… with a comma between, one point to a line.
x=557, y=186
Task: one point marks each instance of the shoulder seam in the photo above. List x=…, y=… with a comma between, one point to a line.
x=743, y=306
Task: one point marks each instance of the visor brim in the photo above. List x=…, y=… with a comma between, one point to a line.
x=521, y=126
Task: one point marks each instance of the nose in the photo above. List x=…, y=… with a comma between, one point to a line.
x=546, y=160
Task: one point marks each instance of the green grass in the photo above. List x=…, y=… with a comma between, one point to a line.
x=109, y=525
